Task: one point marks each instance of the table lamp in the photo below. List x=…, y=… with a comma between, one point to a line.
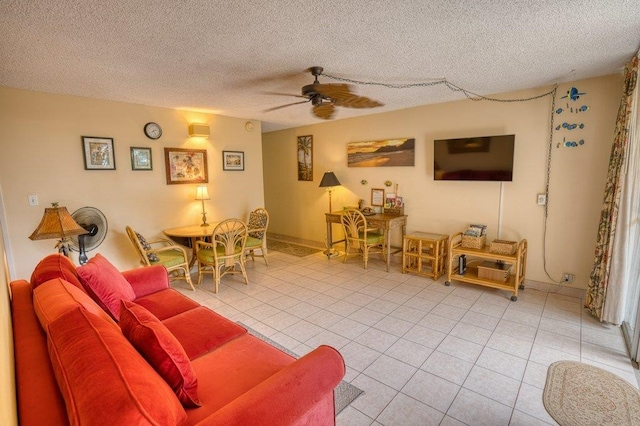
x=329, y=180
x=202, y=193
x=58, y=223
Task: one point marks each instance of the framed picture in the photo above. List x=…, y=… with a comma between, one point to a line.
x=141, y=158
x=185, y=165
x=377, y=197
x=305, y=158
x=233, y=160
x=382, y=153
x=98, y=153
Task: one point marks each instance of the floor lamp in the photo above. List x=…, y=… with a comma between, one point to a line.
x=329, y=180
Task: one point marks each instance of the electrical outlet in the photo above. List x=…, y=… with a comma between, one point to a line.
x=542, y=199
x=568, y=278
x=33, y=200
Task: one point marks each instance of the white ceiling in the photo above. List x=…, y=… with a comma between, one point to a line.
x=228, y=57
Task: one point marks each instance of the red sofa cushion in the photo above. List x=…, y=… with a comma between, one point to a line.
x=161, y=349
x=200, y=330
x=103, y=379
x=228, y=373
x=56, y=297
x=166, y=303
x=106, y=284
x=55, y=266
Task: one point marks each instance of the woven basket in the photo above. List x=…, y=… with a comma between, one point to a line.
x=503, y=247
x=469, y=241
x=398, y=211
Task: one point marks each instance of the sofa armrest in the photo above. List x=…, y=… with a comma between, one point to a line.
x=147, y=280
x=289, y=396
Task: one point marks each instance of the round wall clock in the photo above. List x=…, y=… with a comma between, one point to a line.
x=153, y=130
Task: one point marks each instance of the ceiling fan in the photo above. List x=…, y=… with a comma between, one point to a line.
x=325, y=97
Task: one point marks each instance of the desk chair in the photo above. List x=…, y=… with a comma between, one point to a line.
x=359, y=237
x=171, y=256
x=225, y=251
x=257, y=234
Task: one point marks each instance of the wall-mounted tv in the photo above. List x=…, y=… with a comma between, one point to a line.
x=488, y=158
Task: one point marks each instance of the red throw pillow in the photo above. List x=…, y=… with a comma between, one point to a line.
x=55, y=266
x=161, y=349
x=105, y=283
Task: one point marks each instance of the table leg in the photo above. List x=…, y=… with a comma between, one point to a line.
x=329, y=240
x=387, y=232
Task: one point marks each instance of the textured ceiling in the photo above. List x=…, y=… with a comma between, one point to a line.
x=230, y=57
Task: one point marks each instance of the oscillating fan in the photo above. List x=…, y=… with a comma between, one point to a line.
x=95, y=222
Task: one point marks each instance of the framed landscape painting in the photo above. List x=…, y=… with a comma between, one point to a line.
x=233, y=160
x=383, y=153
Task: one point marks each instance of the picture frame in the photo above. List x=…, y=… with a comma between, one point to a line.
x=377, y=197
x=382, y=153
x=305, y=158
x=141, y=158
x=186, y=165
x=98, y=153
x=233, y=161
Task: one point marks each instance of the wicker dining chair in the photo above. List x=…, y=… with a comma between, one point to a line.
x=224, y=253
x=257, y=234
x=359, y=237
x=170, y=255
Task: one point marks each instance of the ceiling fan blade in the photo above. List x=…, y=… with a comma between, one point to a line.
x=285, y=94
x=333, y=91
x=285, y=105
x=324, y=110
x=358, y=102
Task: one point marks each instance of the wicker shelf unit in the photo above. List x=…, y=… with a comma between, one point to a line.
x=475, y=258
x=425, y=254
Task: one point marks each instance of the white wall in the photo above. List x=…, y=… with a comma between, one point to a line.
x=577, y=175
x=41, y=154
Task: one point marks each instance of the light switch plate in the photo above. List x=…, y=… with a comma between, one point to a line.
x=33, y=200
x=542, y=199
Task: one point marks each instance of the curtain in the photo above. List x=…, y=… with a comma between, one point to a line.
x=605, y=293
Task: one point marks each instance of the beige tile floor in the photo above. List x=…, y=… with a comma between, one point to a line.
x=422, y=352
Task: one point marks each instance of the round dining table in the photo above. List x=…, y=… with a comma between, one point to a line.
x=192, y=233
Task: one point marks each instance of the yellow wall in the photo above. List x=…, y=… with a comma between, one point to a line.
x=40, y=142
x=577, y=175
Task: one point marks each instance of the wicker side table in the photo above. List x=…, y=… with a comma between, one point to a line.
x=425, y=253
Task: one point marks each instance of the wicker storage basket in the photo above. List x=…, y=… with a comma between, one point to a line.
x=494, y=271
x=469, y=241
x=503, y=247
x=398, y=211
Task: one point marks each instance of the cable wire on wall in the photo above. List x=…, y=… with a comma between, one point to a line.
x=477, y=97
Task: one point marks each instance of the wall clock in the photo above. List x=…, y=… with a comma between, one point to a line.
x=153, y=130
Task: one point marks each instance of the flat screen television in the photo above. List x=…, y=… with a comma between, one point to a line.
x=486, y=158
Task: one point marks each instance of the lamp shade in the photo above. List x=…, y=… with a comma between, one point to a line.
x=329, y=179
x=57, y=223
x=202, y=193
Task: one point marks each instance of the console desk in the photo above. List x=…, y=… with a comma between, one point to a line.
x=384, y=221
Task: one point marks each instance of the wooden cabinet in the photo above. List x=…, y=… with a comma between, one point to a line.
x=424, y=254
x=478, y=258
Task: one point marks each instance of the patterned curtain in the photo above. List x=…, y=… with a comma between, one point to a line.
x=599, y=278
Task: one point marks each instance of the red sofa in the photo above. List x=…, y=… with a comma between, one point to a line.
x=96, y=346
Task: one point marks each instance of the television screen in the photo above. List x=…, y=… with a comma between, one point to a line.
x=488, y=158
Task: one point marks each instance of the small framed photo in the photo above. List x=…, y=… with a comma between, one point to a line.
x=98, y=153
x=377, y=197
x=141, y=158
x=185, y=165
x=233, y=160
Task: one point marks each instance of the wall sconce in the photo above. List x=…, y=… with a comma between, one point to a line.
x=202, y=193
x=199, y=130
